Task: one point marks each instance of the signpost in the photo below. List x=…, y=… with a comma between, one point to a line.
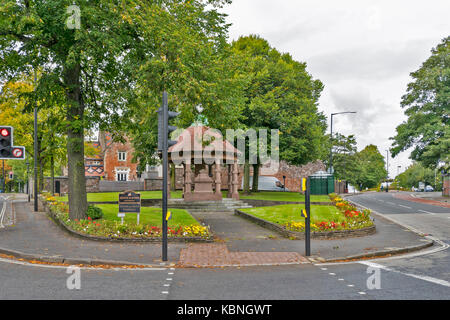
x=307, y=214
x=129, y=202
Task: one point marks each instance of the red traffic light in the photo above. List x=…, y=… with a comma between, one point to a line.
x=4, y=132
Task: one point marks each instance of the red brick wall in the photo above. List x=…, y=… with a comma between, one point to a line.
x=111, y=161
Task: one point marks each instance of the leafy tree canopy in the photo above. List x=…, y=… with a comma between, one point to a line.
x=427, y=105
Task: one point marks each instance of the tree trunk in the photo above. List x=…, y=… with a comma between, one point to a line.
x=75, y=145
x=255, y=178
x=246, y=178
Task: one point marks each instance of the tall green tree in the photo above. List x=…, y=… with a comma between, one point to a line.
x=345, y=159
x=427, y=106
x=370, y=168
x=281, y=95
x=94, y=55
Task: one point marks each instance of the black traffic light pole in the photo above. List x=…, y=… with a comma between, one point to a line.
x=308, y=218
x=165, y=112
x=163, y=147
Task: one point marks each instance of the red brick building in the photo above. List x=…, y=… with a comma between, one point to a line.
x=112, y=160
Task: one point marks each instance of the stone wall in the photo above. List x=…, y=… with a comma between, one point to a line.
x=294, y=174
x=92, y=184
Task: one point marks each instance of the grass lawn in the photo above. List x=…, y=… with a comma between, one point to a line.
x=114, y=196
x=291, y=212
x=148, y=216
x=263, y=195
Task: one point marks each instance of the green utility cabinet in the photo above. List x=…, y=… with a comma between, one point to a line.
x=321, y=182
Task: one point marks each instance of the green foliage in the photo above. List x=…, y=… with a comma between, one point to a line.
x=416, y=173
x=121, y=58
x=94, y=212
x=427, y=104
x=370, y=166
x=281, y=94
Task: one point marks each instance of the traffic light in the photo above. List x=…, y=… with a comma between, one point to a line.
x=164, y=129
x=164, y=143
x=7, y=148
x=5, y=142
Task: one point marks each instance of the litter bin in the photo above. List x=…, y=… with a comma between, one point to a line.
x=321, y=182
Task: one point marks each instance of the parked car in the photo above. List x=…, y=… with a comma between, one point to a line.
x=429, y=189
x=267, y=184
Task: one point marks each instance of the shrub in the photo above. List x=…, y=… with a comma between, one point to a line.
x=94, y=213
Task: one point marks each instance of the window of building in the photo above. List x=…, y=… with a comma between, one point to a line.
x=122, y=177
x=122, y=156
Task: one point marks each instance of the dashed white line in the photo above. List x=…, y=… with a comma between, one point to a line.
x=332, y=274
x=362, y=293
x=405, y=206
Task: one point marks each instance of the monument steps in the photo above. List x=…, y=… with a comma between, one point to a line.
x=227, y=205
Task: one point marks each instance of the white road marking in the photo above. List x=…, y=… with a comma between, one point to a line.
x=165, y=292
x=350, y=285
x=425, y=278
x=427, y=212
x=361, y=292
x=332, y=274
x=394, y=204
x=405, y=206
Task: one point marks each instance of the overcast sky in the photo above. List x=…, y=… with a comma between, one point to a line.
x=362, y=50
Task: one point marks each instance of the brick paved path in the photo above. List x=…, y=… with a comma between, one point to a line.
x=408, y=197
x=215, y=255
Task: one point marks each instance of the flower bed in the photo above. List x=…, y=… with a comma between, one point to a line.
x=327, y=222
x=107, y=229
x=351, y=219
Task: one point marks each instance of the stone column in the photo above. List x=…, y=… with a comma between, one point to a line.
x=218, y=179
x=230, y=180
x=235, y=194
x=187, y=178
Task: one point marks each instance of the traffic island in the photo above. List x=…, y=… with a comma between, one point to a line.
x=297, y=235
x=111, y=230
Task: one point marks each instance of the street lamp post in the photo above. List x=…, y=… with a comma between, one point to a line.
x=331, y=139
x=36, y=207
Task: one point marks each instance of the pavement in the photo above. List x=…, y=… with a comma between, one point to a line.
x=33, y=236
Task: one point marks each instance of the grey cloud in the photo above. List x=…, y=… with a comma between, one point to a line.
x=370, y=63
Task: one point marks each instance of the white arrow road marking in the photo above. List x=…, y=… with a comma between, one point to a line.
x=425, y=278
